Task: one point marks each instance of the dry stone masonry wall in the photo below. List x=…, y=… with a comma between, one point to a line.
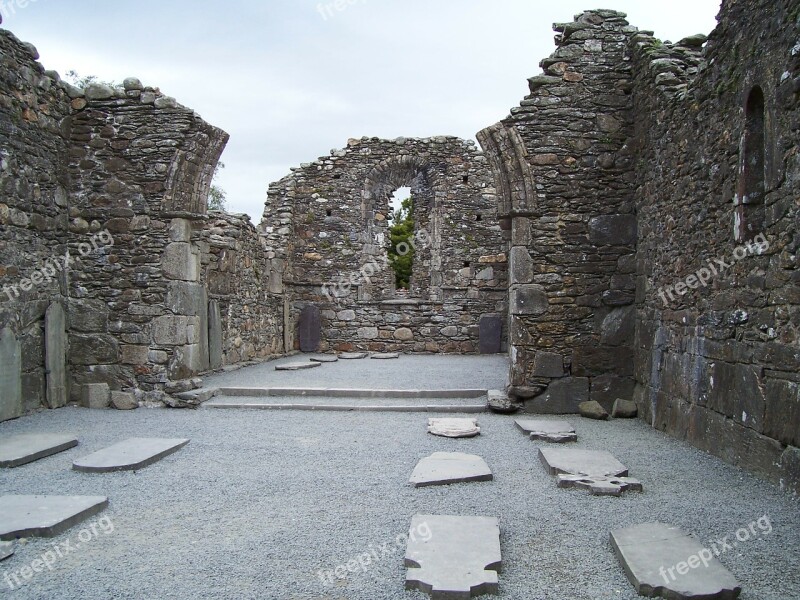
x=327, y=231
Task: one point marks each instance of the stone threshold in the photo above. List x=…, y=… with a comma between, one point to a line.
x=404, y=408
x=349, y=393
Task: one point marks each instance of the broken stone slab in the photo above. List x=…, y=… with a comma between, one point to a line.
x=556, y=432
x=27, y=448
x=353, y=355
x=6, y=550
x=45, y=516
x=299, y=366
x=663, y=561
x=593, y=410
x=624, y=409
x=385, y=356
x=442, y=468
x=324, y=359
x=596, y=470
x=130, y=455
x=499, y=402
x=452, y=556
x=454, y=428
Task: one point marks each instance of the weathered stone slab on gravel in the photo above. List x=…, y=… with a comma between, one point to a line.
x=45, y=516
x=548, y=431
x=324, y=359
x=593, y=410
x=442, y=468
x=27, y=448
x=454, y=428
x=663, y=561
x=458, y=558
x=499, y=402
x=130, y=455
x=385, y=356
x=6, y=550
x=598, y=471
x=624, y=409
x=353, y=355
x=298, y=366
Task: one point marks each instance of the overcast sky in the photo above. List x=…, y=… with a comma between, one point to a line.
x=292, y=79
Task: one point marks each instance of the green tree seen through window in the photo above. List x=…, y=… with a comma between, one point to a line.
x=401, y=252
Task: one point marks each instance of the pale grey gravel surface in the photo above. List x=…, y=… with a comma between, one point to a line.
x=260, y=501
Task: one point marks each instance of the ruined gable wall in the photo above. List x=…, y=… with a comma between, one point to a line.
x=326, y=230
x=564, y=171
x=34, y=121
x=718, y=365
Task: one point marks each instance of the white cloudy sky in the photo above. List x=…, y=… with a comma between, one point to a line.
x=290, y=80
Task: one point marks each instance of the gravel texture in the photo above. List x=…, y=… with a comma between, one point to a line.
x=407, y=372
x=260, y=501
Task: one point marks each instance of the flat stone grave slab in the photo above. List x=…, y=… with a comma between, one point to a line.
x=130, y=455
x=490, y=335
x=663, y=561
x=27, y=448
x=457, y=557
x=385, y=356
x=6, y=550
x=443, y=468
x=324, y=359
x=598, y=471
x=297, y=366
x=309, y=329
x=454, y=428
x=45, y=516
x=556, y=432
x=353, y=355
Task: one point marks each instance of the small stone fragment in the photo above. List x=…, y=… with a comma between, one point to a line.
x=624, y=409
x=593, y=410
x=454, y=428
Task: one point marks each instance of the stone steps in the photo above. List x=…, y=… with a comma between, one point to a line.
x=346, y=403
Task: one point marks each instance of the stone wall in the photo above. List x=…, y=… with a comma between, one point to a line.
x=326, y=230
x=563, y=166
x=34, y=179
x=718, y=358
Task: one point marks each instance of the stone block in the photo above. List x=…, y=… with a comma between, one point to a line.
x=562, y=397
x=55, y=340
x=661, y=560
x=131, y=455
x=309, y=328
x=91, y=350
x=134, y=355
x=529, y=300
x=404, y=334
x=548, y=364
x=170, y=330
x=88, y=316
x=782, y=420
x=490, y=334
x=22, y=449
x=605, y=389
x=592, y=360
x=454, y=428
x=598, y=471
x=624, y=409
x=367, y=333
x=185, y=298
x=452, y=556
x=618, y=327
x=124, y=401
x=181, y=261
x=96, y=395
x=180, y=230
x=214, y=335
x=11, y=405
x=7, y=550
x=443, y=468
x=593, y=410
x=521, y=264
x=45, y=516
x=613, y=230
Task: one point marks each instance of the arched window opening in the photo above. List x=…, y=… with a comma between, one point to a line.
x=749, y=209
x=401, y=247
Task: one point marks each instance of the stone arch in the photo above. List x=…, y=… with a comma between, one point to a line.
x=381, y=182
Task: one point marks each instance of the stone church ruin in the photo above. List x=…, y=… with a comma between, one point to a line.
x=629, y=231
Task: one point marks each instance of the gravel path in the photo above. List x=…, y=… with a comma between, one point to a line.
x=260, y=501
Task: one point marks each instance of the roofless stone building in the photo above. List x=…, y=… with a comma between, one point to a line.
x=629, y=231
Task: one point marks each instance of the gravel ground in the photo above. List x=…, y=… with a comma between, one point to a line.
x=407, y=372
x=260, y=501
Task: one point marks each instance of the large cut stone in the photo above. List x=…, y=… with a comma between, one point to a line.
x=309, y=329
x=562, y=397
x=10, y=376
x=443, y=468
x=181, y=262
x=130, y=455
x=55, y=342
x=26, y=448
x=490, y=334
x=663, y=561
x=613, y=230
x=298, y=366
x=6, y=550
x=454, y=428
x=597, y=470
x=353, y=355
x=593, y=410
x=214, y=335
x=548, y=431
x=529, y=300
x=45, y=516
x=453, y=557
